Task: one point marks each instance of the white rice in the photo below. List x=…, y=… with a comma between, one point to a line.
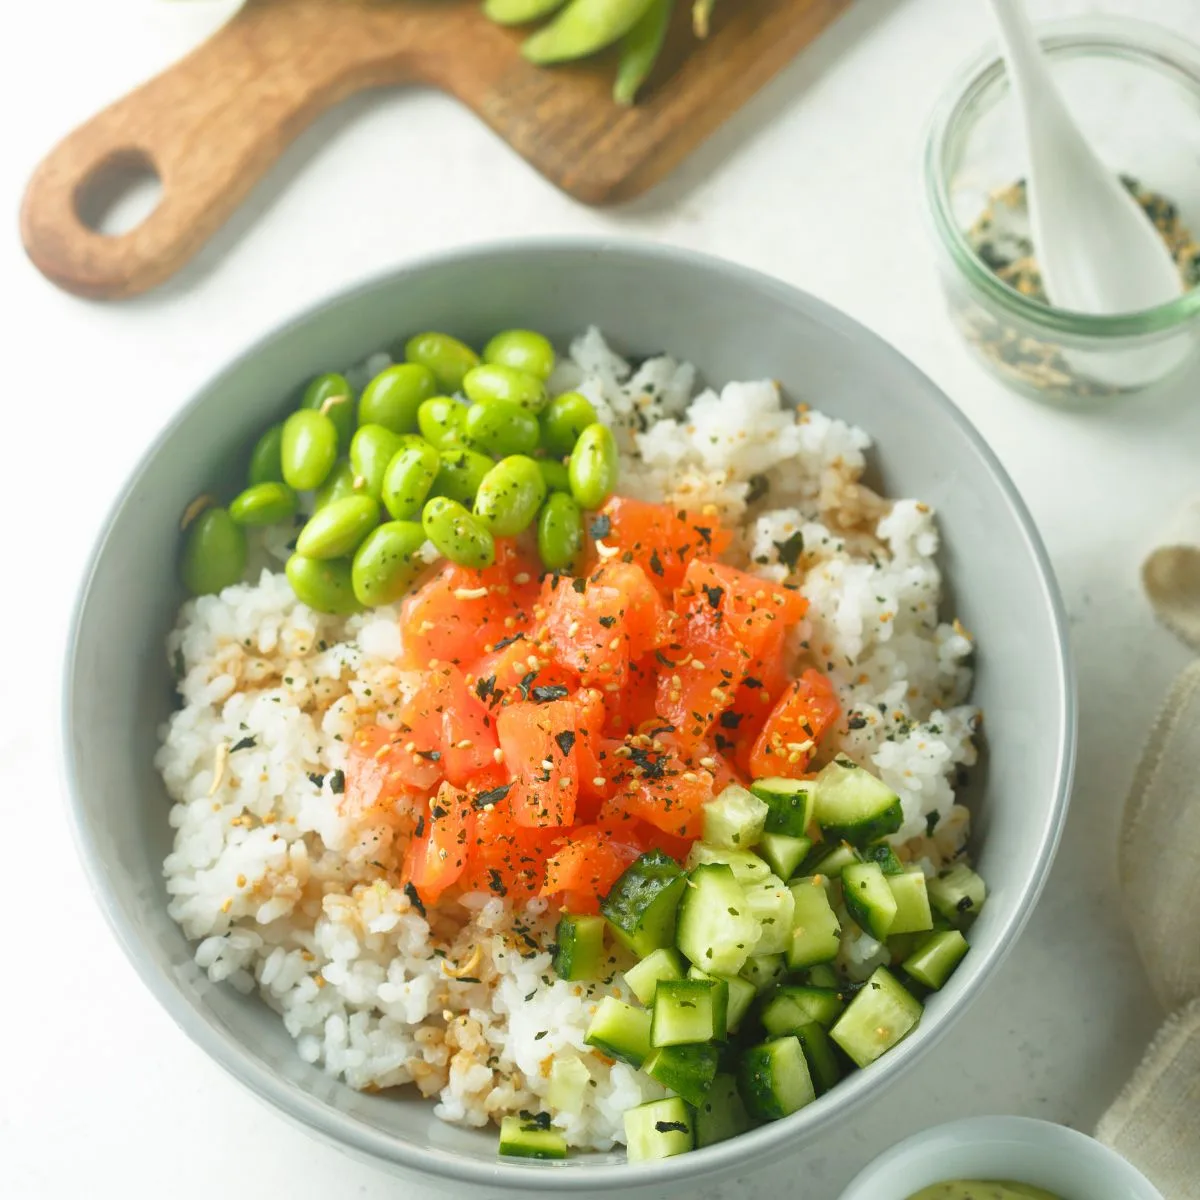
x=280, y=889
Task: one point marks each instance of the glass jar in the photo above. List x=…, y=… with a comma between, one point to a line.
x=1134, y=88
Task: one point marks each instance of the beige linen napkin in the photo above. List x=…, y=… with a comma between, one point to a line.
x=1155, y=1121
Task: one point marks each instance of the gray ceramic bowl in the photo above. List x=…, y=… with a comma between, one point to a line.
x=735, y=325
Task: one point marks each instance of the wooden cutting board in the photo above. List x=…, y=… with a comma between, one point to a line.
x=212, y=125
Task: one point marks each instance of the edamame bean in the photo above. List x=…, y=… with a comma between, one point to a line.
x=339, y=483
x=371, y=449
x=323, y=584
x=263, y=504
x=501, y=427
x=440, y=420
x=460, y=474
x=457, y=534
x=523, y=350
x=510, y=495
x=308, y=450
x=386, y=564
x=333, y=395
x=339, y=527
x=447, y=357
x=408, y=478
x=266, y=465
x=582, y=28
x=214, y=554
x=593, y=466
x=495, y=382
x=518, y=12
x=564, y=419
x=640, y=49
x=560, y=532
x=555, y=474
x=392, y=398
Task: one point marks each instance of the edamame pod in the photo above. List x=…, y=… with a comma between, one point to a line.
x=323, y=584
x=640, y=49
x=214, y=554
x=392, y=398
x=386, y=564
x=440, y=420
x=457, y=534
x=519, y=12
x=263, y=504
x=510, y=495
x=308, y=449
x=333, y=395
x=339, y=483
x=564, y=419
x=702, y=16
x=523, y=350
x=593, y=466
x=371, y=449
x=501, y=427
x=408, y=478
x=555, y=474
x=266, y=462
x=560, y=532
x=492, y=381
x=582, y=28
x=447, y=357
x=460, y=474
x=339, y=527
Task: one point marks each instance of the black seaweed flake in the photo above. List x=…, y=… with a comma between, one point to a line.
x=548, y=692
x=419, y=832
x=751, y=682
x=663, y=659
x=656, y=563
x=730, y=719
x=654, y=765
x=508, y=641
x=316, y=778
x=671, y=1126
x=484, y=688
x=538, y=1120
x=541, y=1033
x=931, y=822
x=525, y=684
x=566, y=741
x=760, y=485
x=608, y=622
x=496, y=883
x=429, y=755
x=790, y=550
x=579, y=584
x=714, y=595
x=856, y=722
x=492, y=795
x=337, y=782
x=413, y=898
x=245, y=743
x=601, y=526
x=705, y=533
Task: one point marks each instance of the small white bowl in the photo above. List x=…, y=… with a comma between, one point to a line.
x=1019, y=1149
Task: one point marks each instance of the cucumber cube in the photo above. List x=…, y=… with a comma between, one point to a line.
x=569, y=1082
x=740, y=995
x=658, y=1129
x=792, y=1007
x=958, y=894
x=774, y=1079
x=936, y=958
x=643, y=977
x=789, y=803
x=722, y=1114
x=763, y=971
x=641, y=906
x=746, y=867
x=772, y=906
x=881, y=1014
x=620, y=1031
x=885, y=856
x=689, y=1010
x=849, y=802
x=822, y=1061
x=912, y=902
x=686, y=1070
x=868, y=898
x=831, y=861
x=579, y=947
x=815, y=927
x=521, y=1137
x=783, y=853
x=735, y=819
x=716, y=931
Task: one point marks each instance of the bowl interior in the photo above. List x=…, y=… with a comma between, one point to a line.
x=734, y=325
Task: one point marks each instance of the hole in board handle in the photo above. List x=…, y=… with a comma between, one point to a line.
x=119, y=194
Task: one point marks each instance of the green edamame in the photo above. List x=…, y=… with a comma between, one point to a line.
x=518, y=12
x=386, y=564
x=408, y=478
x=339, y=483
x=323, y=584
x=457, y=534
x=440, y=420
x=564, y=419
x=501, y=427
x=495, y=382
x=263, y=504
x=593, y=466
x=214, y=554
x=266, y=463
x=392, y=398
x=338, y=528
x=447, y=357
x=371, y=449
x=640, y=49
x=333, y=395
x=460, y=474
x=555, y=474
x=308, y=449
x=582, y=28
x=523, y=350
x=560, y=532
x=510, y=495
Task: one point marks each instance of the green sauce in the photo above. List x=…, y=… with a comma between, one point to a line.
x=999, y=1189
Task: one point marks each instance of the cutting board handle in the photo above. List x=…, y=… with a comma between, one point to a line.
x=209, y=127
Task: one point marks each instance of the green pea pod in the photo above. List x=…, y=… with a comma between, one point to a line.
x=266, y=459
x=386, y=564
x=494, y=381
x=308, y=449
x=447, y=357
x=392, y=398
x=214, y=555
x=701, y=16
x=518, y=12
x=523, y=350
x=409, y=477
x=338, y=528
x=582, y=28
x=510, y=495
x=263, y=504
x=457, y=534
x=560, y=533
x=323, y=584
x=593, y=466
x=640, y=49
x=460, y=474
x=371, y=449
x=333, y=395
x=557, y=477
x=564, y=419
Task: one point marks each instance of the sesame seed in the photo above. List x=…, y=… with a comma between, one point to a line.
x=470, y=593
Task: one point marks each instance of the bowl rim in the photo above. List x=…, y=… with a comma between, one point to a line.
x=767, y=1142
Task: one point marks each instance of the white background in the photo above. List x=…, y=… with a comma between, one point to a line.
x=815, y=181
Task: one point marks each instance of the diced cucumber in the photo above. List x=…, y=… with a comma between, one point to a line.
x=689, y=1010
x=823, y=976
x=746, y=867
x=735, y=819
x=935, y=959
x=815, y=927
x=569, y=1082
x=722, y=1114
x=879, y=1016
x=763, y=971
x=849, y=802
x=620, y=1031
x=686, y=1070
x=522, y=1137
x=739, y=993
x=774, y=1078
x=831, y=861
x=958, y=894
x=790, y=802
x=822, y=1061
x=912, y=902
x=772, y=906
x=885, y=856
x=658, y=1129
x=783, y=853
x=715, y=929
x=793, y=1006
x=868, y=898
x=641, y=906
x=644, y=977
x=579, y=947
x=901, y=945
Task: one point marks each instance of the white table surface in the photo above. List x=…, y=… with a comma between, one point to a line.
x=815, y=181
